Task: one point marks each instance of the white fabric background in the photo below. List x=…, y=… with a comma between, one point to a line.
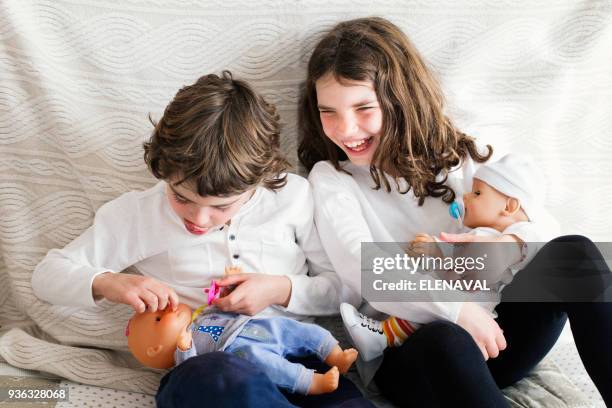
x=79, y=77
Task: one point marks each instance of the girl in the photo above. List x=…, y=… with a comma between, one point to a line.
x=385, y=164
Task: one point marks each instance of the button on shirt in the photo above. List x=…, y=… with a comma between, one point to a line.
x=273, y=233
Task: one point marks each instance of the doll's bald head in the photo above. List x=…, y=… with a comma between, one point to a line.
x=153, y=336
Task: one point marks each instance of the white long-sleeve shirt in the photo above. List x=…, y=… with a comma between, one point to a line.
x=348, y=211
x=272, y=233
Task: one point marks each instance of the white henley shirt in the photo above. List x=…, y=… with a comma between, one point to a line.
x=272, y=233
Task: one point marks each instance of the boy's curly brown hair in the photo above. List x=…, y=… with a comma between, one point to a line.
x=219, y=136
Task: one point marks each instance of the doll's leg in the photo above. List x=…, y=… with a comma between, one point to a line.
x=291, y=376
x=346, y=391
x=343, y=359
x=301, y=339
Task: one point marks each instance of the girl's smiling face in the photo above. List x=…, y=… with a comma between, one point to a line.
x=350, y=116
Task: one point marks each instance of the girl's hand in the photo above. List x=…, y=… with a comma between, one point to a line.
x=484, y=330
x=140, y=292
x=422, y=237
x=254, y=292
x=424, y=244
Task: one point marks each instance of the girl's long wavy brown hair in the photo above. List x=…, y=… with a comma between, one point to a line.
x=417, y=141
x=220, y=136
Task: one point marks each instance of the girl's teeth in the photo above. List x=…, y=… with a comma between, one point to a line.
x=355, y=144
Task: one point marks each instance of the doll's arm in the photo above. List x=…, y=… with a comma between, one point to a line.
x=181, y=356
x=185, y=340
x=184, y=347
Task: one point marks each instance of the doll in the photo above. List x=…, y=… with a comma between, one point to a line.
x=506, y=198
x=162, y=339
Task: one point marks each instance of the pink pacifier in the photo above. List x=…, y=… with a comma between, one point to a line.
x=213, y=292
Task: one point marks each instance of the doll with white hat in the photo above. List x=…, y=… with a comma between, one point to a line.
x=507, y=196
x=504, y=193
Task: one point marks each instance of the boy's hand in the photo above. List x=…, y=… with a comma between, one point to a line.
x=254, y=292
x=184, y=340
x=140, y=292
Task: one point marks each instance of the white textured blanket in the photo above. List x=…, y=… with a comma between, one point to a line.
x=79, y=77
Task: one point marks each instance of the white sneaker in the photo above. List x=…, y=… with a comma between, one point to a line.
x=366, y=334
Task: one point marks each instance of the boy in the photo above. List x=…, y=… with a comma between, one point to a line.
x=223, y=199
x=506, y=198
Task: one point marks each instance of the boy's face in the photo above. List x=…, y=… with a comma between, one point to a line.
x=350, y=116
x=483, y=206
x=201, y=214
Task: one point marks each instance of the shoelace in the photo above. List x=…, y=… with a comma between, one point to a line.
x=371, y=324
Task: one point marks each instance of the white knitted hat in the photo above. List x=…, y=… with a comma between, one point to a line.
x=517, y=177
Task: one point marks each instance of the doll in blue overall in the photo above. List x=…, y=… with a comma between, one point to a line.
x=163, y=338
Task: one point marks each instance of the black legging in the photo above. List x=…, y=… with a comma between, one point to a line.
x=440, y=365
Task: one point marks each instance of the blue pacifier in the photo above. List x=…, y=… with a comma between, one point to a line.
x=456, y=211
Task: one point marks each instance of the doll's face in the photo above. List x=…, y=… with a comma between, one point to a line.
x=152, y=336
x=483, y=205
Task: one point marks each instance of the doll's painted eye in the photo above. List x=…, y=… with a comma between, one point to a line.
x=158, y=319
